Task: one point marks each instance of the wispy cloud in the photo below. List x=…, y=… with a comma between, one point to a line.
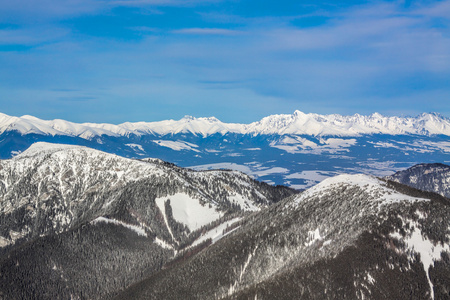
x=382, y=34
x=440, y=9
x=360, y=59
x=207, y=31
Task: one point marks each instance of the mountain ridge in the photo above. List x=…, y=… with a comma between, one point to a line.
x=79, y=223
x=350, y=237
x=427, y=177
x=297, y=123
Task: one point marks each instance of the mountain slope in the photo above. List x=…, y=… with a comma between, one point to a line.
x=83, y=223
x=427, y=177
x=350, y=237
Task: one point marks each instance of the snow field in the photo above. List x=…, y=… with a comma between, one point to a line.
x=189, y=211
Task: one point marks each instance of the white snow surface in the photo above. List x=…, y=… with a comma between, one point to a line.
x=43, y=148
x=252, y=170
x=243, y=202
x=177, y=145
x=313, y=236
x=140, y=231
x=369, y=184
x=189, y=211
x=135, y=146
x=163, y=244
x=299, y=144
x=311, y=177
x=297, y=123
x=223, y=165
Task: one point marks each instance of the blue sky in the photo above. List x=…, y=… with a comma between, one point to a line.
x=149, y=60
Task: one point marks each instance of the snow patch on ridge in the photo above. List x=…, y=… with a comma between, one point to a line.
x=224, y=165
x=311, y=177
x=313, y=236
x=371, y=185
x=43, y=148
x=252, y=170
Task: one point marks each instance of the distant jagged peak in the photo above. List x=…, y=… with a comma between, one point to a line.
x=187, y=118
x=355, y=125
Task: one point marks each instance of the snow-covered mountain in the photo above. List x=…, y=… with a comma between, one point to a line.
x=427, y=177
x=297, y=123
x=77, y=184
x=349, y=237
x=88, y=209
x=77, y=223
x=300, y=123
x=297, y=150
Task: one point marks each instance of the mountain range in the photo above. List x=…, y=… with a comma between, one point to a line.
x=298, y=123
x=296, y=150
x=78, y=223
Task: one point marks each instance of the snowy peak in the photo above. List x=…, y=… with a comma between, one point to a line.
x=377, y=191
x=297, y=123
x=326, y=125
x=43, y=148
